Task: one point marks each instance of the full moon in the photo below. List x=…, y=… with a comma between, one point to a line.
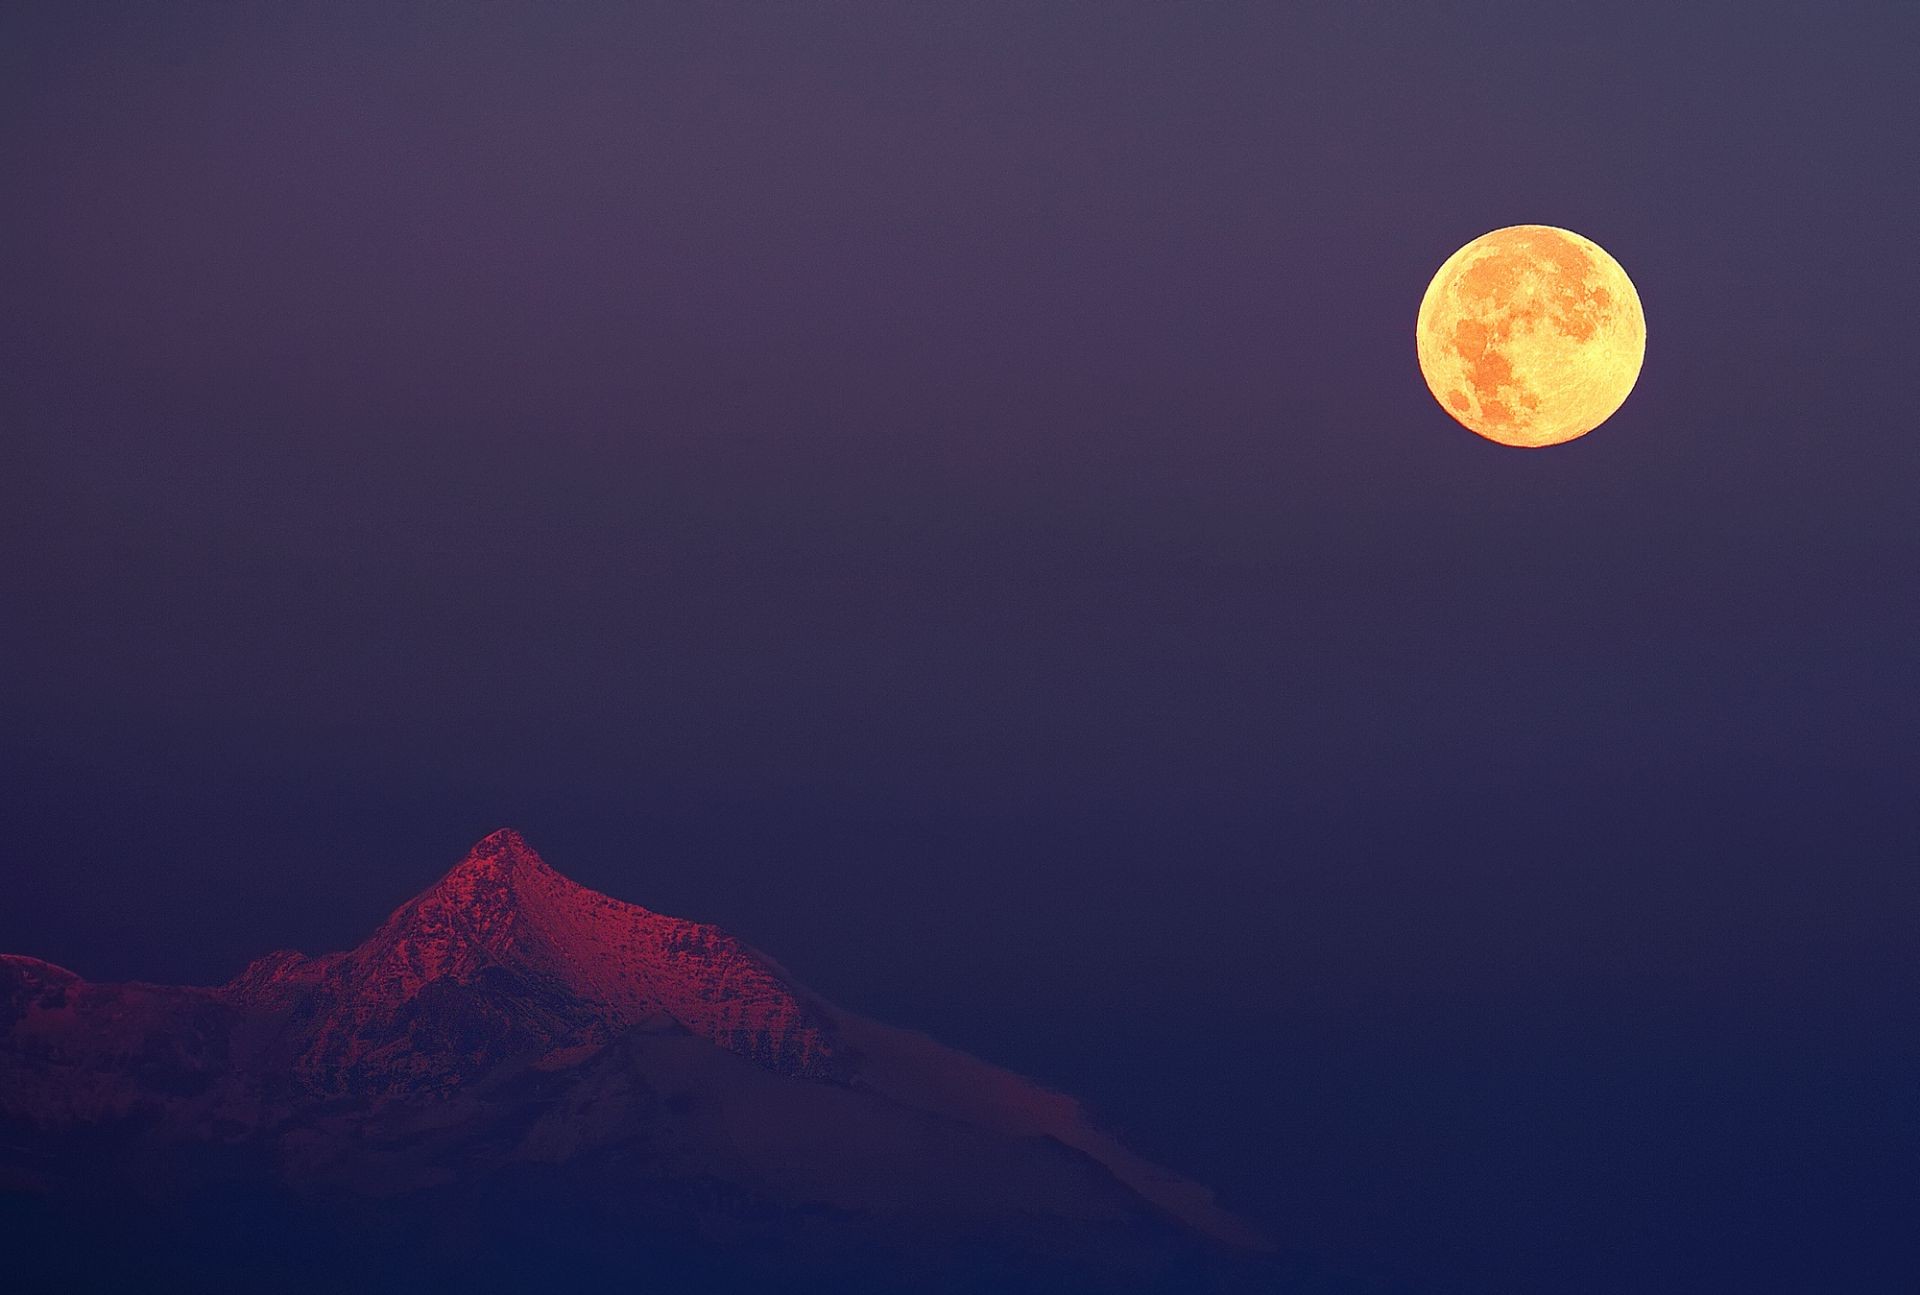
x=1531, y=335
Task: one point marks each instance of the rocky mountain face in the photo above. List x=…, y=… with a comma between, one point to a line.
x=510, y=1026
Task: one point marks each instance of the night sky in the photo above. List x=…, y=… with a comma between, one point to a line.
x=945, y=492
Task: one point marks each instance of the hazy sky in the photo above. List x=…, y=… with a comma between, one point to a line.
x=946, y=492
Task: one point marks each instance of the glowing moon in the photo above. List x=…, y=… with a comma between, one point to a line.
x=1531, y=335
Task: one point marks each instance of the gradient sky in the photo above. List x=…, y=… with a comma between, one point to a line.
x=946, y=492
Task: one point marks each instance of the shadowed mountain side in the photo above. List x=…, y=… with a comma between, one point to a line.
x=925, y=1074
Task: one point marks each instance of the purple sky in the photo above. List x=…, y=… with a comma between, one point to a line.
x=945, y=491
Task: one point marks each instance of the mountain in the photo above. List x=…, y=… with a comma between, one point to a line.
x=510, y=1045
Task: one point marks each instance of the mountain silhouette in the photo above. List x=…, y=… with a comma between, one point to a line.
x=510, y=1044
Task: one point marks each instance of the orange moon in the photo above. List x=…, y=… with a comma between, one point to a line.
x=1531, y=335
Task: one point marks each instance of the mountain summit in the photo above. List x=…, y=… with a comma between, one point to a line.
x=504, y=957
x=508, y=1021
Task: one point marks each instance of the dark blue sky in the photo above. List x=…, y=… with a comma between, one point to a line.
x=945, y=491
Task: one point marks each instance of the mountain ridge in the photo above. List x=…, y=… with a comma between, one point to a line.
x=507, y=1015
